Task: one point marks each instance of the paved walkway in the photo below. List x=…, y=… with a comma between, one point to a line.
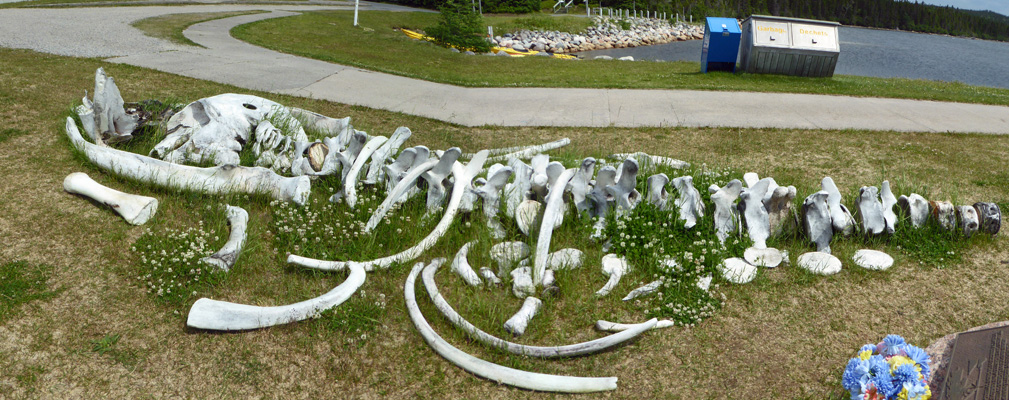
x=228, y=60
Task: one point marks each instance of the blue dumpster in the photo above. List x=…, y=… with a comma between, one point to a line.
x=721, y=45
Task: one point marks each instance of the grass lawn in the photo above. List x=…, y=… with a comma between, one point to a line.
x=91, y=327
x=330, y=36
x=170, y=27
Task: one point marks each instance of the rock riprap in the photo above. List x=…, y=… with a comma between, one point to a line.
x=605, y=33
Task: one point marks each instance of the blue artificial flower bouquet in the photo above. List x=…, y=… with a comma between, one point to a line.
x=892, y=369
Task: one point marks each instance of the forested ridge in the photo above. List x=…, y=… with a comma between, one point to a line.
x=888, y=14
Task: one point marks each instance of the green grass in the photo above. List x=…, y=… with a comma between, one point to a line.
x=170, y=26
x=106, y=336
x=22, y=283
x=330, y=36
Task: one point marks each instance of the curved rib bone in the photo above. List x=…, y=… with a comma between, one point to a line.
x=460, y=265
x=840, y=217
x=593, y=346
x=607, y=326
x=350, y=180
x=437, y=177
x=135, y=209
x=726, y=215
x=644, y=290
x=550, y=217
x=657, y=194
x=530, y=151
x=226, y=257
x=516, y=325
x=916, y=208
x=216, y=180
x=689, y=201
x=408, y=182
x=349, y=155
x=494, y=372
x=615, y=267
x=376, y=167
x=870, y=210
x=463, y=175
x=225, y=316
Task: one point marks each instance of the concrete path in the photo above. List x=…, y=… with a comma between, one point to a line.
x=228, y=60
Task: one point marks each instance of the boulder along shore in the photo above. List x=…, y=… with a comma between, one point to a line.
x=606, y=33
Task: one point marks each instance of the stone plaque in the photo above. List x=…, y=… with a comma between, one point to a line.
x=979, y=366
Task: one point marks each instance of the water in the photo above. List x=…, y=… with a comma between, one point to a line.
x=880, y=53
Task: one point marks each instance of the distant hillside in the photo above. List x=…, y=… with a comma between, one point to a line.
x=889, y=14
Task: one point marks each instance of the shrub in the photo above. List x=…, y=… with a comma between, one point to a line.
x=460, y=27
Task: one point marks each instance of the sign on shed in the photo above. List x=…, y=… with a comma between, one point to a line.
x=789, y=46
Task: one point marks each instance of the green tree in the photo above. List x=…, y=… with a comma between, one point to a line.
x=459, y=27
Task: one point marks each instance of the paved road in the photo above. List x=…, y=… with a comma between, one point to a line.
x=227, y=60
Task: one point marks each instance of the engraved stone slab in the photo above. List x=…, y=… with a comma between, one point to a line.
x=979, y=366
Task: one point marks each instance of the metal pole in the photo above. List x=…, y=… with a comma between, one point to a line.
x=356, y=2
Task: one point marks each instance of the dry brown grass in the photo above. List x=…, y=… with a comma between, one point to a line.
x=786, y=335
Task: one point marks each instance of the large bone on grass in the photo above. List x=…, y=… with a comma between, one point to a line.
x=944, y=213
x=225, y=316
x=350, y=181
x=652, y=161
x=657, y=194
x=779, y=208
x=888, y=201
x=530, y=151
x=726, y=214
x=550, y=215
x=565, y=259
x=490, y=276
x=490, y=192
x=437, y=177
x=624, y=195
x=525, y=215
x=490, y=371
x=460, y=265
x=615, y=267
x=112, y=123
x=135, y=209
x=349, y=155
x=989, y=217
x=226, y=257
x=968, y=218
x=816, y=220
x=86, y=112
x=688, y=201
x=507, y=254
x=378, y=158
x=579, y=185
x=463, y=175
x=871, y=210
x=601, y=199
x=423, y=156
x=758, y=225
x=607, y=326
x=216, y=180
x=643, y=290
x=915, y=207
x=394, y=172
x=515, y=193
x=840, y=217
x=330, y=127
x=573, y=350
x=408, y=182
x=516, y=325
x=522, y=282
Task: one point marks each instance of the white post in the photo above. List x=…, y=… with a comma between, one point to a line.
x=356, y=2
x=587, y=9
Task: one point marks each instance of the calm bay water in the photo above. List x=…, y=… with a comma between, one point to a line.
x=880, y=53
